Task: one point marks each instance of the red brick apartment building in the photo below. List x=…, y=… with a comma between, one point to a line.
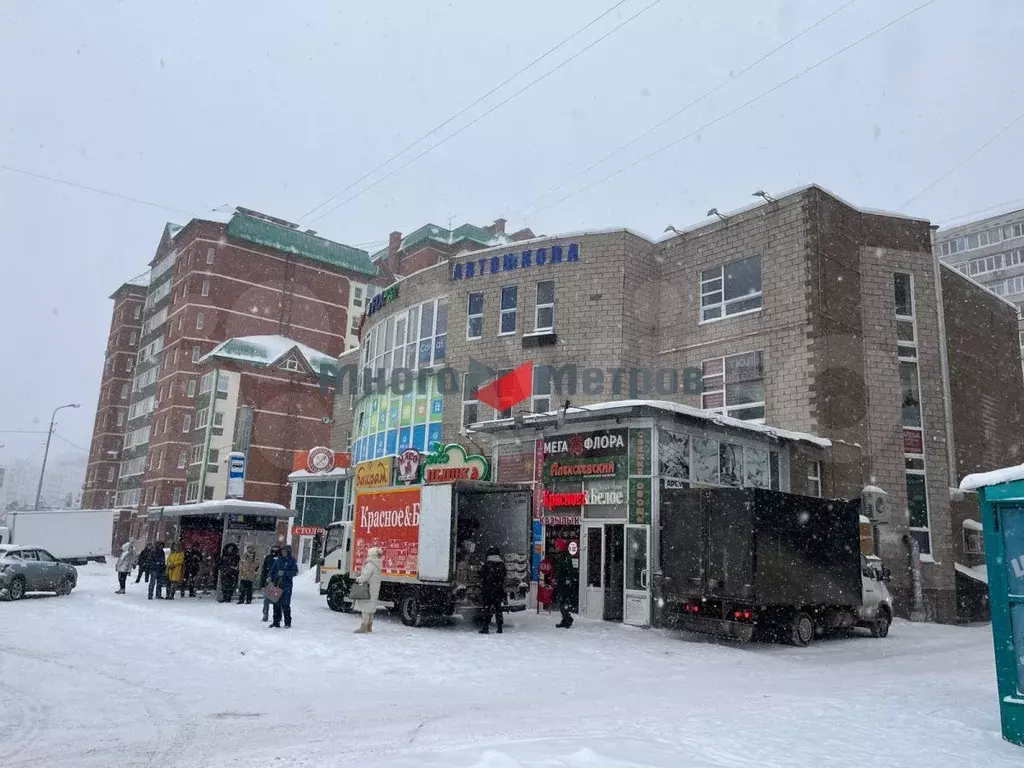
x=211, y=281
x=115, y=392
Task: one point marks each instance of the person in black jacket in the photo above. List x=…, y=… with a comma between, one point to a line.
x=492, y=589
x=272, y=555
x=157, y=569
x=563, y=573
x=228, y=572
x=143, y=562
x=193, y=567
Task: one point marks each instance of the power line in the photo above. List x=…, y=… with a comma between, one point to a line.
x=966, y=160
x=971, y=214
x=480, y=117
x=23, y=431
x=693, y=103
x=61, y=437
x=462, y=111
x=97, y=190
x=742, y=106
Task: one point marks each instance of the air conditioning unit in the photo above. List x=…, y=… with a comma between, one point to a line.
x=875, y=505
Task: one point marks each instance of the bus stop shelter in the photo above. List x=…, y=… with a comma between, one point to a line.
x=213, y=524
x=1002, y=517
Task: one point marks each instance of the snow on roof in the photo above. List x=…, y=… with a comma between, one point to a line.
x=977, y=572
x=995, y=477
x=302, y=474
x=865, y=520
x=559, y=236
x=268, y=350
x=227, y=506
x=972, y=525
x=874, y=489
x=667, y=406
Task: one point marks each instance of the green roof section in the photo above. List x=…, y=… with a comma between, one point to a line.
x=432, y=232
x=300, y=243
x=268, y=351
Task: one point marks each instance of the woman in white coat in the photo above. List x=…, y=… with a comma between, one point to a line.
x=370, y=574
x=124, y=566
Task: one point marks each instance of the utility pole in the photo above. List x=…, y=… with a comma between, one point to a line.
x=46, y=453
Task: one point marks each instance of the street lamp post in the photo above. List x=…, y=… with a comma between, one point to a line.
x=46, y=453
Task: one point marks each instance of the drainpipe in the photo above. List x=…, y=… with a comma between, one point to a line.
x=947, y=398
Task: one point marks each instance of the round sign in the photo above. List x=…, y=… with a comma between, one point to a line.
x=574, y=548
x=409, y=466
x=320, y=460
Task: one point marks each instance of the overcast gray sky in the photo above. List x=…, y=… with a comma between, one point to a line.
x=277, y=106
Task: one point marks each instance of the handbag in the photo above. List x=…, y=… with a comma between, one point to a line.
x=273, y=593
x=360, y=591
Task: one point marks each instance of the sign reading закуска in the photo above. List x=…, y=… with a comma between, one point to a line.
x=537, y=257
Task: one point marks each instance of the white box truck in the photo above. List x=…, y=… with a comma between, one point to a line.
x=72, y=535
x=434, y=539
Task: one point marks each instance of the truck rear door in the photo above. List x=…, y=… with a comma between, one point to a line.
x=436, y=534
x=682, y=544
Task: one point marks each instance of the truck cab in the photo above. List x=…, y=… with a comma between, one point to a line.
x=875, y=611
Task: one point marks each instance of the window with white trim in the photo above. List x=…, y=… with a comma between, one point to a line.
x=470, y=404
x=181, y=459
x=195, y=354
x=186, y=423
x=218, y=418
x=540, y=402
x=133, y=339
x=192, y=388
x=205, y=289
x=734, y=386
x=202, y=418
x=475, y=316
x=732, y=289
x=124, y=391
x=177, y=495
x=222, y=383
x=357, y=296
x=214, y=456
x=138, y=312
x=191, y=492
x=200, y=320
x=509, y=310
x=544, y=313
x=210, y=253
x=120, y=418
x=814, y=479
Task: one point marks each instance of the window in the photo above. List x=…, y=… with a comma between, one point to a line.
x=133, y=339
x=177, y=495
x=192, y=388
x=129, y=364
x=354, y=328
x=814, y=479
x=209, y=255
x=903, y=288
x=911, y=397
x=159, y=458
x=181, y=460
x=138, y=312
x=470, y=404
x=110, y=475
x=120, y=418
x=291, y=364
x=175, y=357
x=214, y=456
x=357, y=296
x=124, y=391
x=541, y=400
x=475, y=316
x=186, y=422
x=191, y=492
x=195, y=455
x=223, y=382
x=509, y=303
x=734, y=386
x=544, y=314
x=731, y=289
x=181, y=322
x=195, y=354
x=200, y=319
x=206, y=383
x=202, y=418
x=208, y=493
x=205, y=291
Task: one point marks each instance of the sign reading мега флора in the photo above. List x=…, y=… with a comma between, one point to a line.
x=589, y=445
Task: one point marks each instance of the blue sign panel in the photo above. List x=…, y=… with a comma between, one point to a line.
x=509, y=262
x=538, y=549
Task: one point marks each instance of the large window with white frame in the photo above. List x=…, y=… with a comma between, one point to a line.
x=470, y=403
x=413, y=339
x=911, y=412
x=475, y=316
x=507, y=322
x=544, y=314
x=731, y=289
x=540, y=402
x=734, y=386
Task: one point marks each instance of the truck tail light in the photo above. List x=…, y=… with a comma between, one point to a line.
x=741, y=614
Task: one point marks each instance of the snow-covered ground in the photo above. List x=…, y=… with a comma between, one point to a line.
x=98, y=679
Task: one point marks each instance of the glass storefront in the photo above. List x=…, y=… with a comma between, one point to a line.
x=319, y=502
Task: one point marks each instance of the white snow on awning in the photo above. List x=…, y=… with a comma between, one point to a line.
x=978, y=572
x=995, y=477
x=972, y=525
x=227, y=507
x=865, y=520
x=334, y=474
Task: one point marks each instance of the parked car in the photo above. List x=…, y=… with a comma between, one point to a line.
x=31, y=569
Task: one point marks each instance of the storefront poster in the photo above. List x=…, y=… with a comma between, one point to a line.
x=514, y=467
x=640, y=452
x=640, y=500
x=389, y=519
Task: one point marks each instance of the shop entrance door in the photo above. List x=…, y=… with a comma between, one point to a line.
x=637, y=581
x=592, y=571
x=613, y=572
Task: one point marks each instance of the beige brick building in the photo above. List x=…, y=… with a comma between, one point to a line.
x=804, y=313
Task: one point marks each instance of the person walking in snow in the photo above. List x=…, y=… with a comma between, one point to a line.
x=272, y=555
x=248, y=569
x=370, y=574
x=492, y=589
x=124, y=566
x=143, y=562
x=175, y=570
x=563, y=572
x=157, y=570
x=228, y=572
x=193, y=569
x=282, y=571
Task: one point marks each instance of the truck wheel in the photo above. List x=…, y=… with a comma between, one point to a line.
x=336, y=592
x=801, y=629
x=66, y=585
x=881, y=626
x=17, y=589
x=409, y=609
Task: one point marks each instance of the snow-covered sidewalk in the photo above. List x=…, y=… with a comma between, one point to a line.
x=98, y=679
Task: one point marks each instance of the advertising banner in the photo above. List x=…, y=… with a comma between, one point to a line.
x=236, y=475
x=587, y=445
x=389, y=519
x=374, y=474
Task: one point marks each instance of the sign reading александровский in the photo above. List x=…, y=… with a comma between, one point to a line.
x=538, y=257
